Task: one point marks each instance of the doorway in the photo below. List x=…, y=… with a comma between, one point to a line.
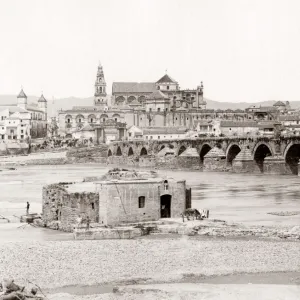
x=165, y=206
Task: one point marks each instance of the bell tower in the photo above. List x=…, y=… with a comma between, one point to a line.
x=100, y=88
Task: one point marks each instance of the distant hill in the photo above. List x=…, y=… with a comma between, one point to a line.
x=67, y=103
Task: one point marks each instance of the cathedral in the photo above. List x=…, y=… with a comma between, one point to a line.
x=143, y=104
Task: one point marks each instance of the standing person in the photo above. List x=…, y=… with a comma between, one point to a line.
x=27, y=208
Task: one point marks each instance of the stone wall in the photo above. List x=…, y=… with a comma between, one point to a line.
x=216, y=164
x=186, y=162
x=119, y=202
x=66, y=208
x=13, y=149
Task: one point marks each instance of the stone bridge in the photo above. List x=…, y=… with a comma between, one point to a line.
x=241, y=154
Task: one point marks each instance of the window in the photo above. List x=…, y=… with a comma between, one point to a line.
x=146, y=137
x=11, y=132
x=141, y=201
x=129, y=133
x=141, y=119
x=150, y=109
x=158, y=137
x=168, y=87
x=166, y=109
x=158, y=87
x=69, y=120
x=166, y=185
x=151, y=137
x=93, y=205
x=116, y=119
x=22, y=131
x=103, y=119
x=79, y=120
x=158, y=109
x=22, y=136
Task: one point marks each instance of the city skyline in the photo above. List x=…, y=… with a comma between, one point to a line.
x=243, y=51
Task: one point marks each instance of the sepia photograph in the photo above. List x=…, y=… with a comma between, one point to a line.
x=149, y=149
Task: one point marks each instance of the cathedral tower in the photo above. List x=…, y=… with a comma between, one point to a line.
x=100, y=88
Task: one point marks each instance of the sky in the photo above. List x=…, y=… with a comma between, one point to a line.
x=243, y=51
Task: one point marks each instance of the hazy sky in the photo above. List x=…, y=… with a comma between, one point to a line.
x=242, y=50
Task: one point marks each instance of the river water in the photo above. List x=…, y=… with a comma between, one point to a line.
x=234, y=197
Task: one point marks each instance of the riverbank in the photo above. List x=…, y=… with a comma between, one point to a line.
x=54, y=265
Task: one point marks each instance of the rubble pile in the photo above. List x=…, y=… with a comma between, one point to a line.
x=9, y=290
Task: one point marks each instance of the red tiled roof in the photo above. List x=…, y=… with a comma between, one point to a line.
x=238, y=124
x=157, y=95
x=133, y=87
x=164, y=130
x=42, y=99
x=166, y=79
x=22, y=94
x=289, y=118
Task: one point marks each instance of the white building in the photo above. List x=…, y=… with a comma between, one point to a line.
x=23, y=121
x=165, y=133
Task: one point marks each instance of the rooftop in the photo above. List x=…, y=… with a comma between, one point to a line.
x=133, y=87
x=157, y=95
x=166, y=79
x=22, y=94
x=238, y=124
x=165, y=130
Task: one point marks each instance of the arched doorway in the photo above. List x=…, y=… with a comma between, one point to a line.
x=292, y=158
x=165, y=206
x=144, y=151
x=204, y=150
x=119, y=152
x=181, y=150
x=130, y=151
x=261, y=152
x=232, y=153
x=109, y=153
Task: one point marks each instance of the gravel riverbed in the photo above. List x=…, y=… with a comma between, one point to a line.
x=54, y=264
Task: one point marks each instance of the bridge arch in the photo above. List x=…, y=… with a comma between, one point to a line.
x=119, y=151
x=260, y=152
x=204, y=150
x=232, y=151
x=292, y=156
x=143, y=152
x=130, y=151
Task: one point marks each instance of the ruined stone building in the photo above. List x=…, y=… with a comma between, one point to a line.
x=119, y=197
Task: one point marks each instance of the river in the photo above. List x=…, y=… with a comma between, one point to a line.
x=242, y=198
